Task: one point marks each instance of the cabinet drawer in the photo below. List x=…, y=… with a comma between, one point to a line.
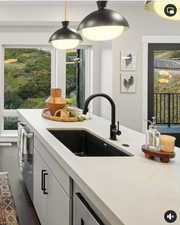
x=57, y=170
x=83, y=213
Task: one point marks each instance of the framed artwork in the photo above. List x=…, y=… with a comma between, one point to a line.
x=128, y=61
x=128, y=82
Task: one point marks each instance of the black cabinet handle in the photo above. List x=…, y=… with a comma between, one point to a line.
x=43, y=181
x=82, y=221
x=44, y=189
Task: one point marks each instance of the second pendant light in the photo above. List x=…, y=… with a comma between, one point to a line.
x=103, y=24
x=167, y=9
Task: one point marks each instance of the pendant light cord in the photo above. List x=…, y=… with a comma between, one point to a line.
x=65, y=10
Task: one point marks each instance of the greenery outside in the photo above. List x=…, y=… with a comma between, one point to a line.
x=10, y=123
x=28, y=77
x=72, y=62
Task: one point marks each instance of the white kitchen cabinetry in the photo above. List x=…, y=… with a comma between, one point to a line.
x=58, y=204
x=84, y=211
x=83, y=214
x=50, y=200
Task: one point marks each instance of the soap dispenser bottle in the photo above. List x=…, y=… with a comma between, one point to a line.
x=153, y=136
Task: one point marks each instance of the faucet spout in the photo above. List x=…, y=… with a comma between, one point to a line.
x=113, y=130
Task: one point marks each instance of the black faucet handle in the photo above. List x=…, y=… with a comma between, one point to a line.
x=118, y=131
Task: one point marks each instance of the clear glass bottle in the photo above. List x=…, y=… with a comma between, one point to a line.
x=153, y=136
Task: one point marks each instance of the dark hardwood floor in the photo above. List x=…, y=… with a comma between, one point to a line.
x=25, y=209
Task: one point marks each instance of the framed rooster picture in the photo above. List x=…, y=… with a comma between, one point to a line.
x=128, y=82
x=128, y=61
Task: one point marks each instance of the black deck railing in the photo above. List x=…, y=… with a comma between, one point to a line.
x=167, y=108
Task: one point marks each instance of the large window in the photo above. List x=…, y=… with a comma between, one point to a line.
x=27, y=80
x=30, y=72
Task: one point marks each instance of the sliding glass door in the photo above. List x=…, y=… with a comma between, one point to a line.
x=163, y=86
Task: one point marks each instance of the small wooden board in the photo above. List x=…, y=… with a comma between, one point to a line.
x=151, y=154
x=47, y=115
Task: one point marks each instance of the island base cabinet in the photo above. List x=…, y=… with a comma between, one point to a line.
x=39, y=199
x=58, y=204
x=51, y=202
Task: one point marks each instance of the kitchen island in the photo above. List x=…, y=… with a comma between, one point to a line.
x=125, y=190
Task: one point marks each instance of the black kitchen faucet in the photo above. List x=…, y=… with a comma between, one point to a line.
x=114, y=130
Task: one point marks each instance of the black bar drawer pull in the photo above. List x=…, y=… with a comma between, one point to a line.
x=44, y=178
x=43, y=181
x=82, y=221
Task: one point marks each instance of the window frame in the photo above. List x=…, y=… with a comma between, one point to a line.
x=58, y=75
x=13, y=112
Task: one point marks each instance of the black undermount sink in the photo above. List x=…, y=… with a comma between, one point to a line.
x=85, y=144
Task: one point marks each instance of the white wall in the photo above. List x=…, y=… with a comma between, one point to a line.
x=142, y=23
x=106, y=78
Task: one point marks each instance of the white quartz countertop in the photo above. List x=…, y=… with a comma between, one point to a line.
x=126, y=190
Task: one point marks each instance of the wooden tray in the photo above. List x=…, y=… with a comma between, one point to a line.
x=151, y=154
x=47, y=115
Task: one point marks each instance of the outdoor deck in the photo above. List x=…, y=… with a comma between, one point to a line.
x=169, y=130
x=167, y=109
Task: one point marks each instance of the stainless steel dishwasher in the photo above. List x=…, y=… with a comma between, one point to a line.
x=26, y=151
x=83, y=213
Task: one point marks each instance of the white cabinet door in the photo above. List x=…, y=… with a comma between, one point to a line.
x=39, y=198
x=83, y=214
x=58, y=203
x=53, y=205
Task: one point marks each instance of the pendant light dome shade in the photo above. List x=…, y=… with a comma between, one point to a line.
x=65, y=38
x=167, y=9
x=103, y=24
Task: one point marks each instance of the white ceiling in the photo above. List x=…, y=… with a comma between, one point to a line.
x=82, y=2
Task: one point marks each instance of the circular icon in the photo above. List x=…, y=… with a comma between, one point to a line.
x=170, y=10
x=170, y=216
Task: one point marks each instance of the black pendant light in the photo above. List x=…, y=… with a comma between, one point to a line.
x=65, y=38
x=167, y=9
x=103, y=24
